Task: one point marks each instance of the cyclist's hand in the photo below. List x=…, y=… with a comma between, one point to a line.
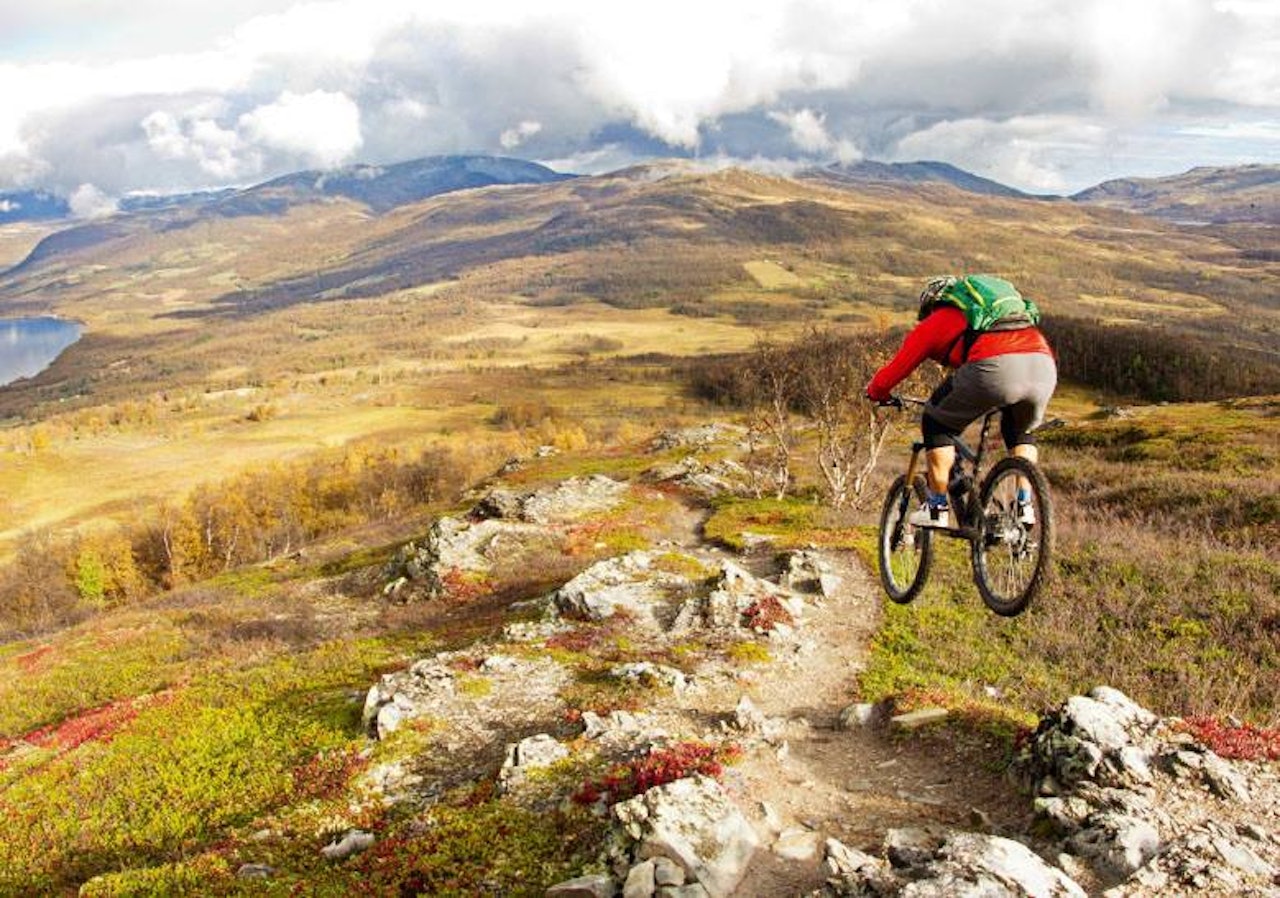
x=891, y=402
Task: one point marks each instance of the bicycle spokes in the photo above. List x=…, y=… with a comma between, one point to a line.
x=1011, y=552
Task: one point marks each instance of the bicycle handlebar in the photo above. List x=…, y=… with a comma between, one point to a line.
x=900, y=401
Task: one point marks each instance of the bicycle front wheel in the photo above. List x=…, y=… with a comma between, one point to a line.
x=1014, y=543
x=905, y=552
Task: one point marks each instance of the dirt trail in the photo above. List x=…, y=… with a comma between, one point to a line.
x=818, y=780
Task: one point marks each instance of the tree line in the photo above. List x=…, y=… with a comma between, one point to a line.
x=257, y=516
x=1156, y=364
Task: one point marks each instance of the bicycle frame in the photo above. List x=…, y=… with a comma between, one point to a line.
x=967, y=513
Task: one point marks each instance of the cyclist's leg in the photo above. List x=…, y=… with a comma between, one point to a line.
x=1034, y=376
x=939, y=440
x=966, y=398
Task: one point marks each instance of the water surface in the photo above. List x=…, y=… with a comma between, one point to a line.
x=29, y=345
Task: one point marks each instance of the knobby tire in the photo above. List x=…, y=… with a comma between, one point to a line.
x=903, y=569
x=1011, y=560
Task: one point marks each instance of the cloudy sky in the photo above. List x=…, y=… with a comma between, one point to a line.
x=103, y=97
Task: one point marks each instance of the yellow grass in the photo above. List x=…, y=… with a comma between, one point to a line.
x=771, y=275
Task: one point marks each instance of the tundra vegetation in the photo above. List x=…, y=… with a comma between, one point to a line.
x=198, y=504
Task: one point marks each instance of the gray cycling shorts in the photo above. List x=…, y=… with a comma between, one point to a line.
x=1021, y=384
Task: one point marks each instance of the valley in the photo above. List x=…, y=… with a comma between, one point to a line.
x=226, y=513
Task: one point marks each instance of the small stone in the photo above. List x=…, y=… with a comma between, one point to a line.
x=1223, y=779
x=667, y=872
x=913, y=720
x=771, y=818
x=255, y=871
x=857, y=715
x=1242, y=858
x=1135, y=764
x=641, y=881
x=353, y=842
x=1252, y=831
x=911, y=847
x=692, y=890
x=593, y=885
x=796, y=845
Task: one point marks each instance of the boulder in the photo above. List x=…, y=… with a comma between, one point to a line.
x=933, y=864
x=805, y=571
x=1140, y=801
x=694, y=824
x=631, y=583
x=529, y=754
x=565, y=501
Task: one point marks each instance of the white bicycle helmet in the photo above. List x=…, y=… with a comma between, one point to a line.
x=929, y=296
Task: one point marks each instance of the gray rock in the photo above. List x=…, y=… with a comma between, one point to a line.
x=797, y=845
x=1013, y=865
x=804, y=571
x=1094, y=721
x=350, y=844
x=858, y=715
x=593, y=885
x=529, y=754
x=693, y=823
x=691, y=890
x=910, y=847
x=630, y=582
x=1118, y=843
x=649, y=674
x=1223, y=779
x=255, y=871
x=572, y=499
x=1133, y=764
x=641, y=882
x=914, y=720
x=667, y=872
x=843, y=861
x=1242, y=858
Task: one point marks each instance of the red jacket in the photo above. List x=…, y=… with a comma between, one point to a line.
x=938, y=337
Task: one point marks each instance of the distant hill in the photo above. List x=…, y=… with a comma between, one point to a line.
x=1241, y=193
x=382, y=188
x=867, y=172
x=32, y=205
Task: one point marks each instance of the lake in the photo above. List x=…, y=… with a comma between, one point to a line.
x=28, y=345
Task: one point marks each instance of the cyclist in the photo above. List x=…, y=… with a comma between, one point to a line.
x=1013, y=370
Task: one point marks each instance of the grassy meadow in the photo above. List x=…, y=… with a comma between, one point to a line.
x=198, y=502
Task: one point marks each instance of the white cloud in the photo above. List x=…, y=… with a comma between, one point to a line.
x=87, y=201
x=197, y=136
x=809, y=133
x=1024, y=151
x=321, y=126
x=279, y=84
x=513, y=137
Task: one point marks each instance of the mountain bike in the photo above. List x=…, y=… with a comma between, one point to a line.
x=1007, y=520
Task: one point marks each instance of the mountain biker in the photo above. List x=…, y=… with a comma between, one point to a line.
x=1013, y=370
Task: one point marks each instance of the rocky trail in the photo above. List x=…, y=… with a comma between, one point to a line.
x=823, y=796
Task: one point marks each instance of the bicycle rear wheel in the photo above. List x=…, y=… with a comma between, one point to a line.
x=905, y=552
x=1014, y=543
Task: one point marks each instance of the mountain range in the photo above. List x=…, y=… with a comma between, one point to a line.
x=1247, y=193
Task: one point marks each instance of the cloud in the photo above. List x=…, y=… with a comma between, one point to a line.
x=809, y=134
x=513, y=137
x=87, y=201
x=321, y=126
x=147, y=96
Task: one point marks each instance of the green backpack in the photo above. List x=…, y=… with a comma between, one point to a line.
x=989, y=304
